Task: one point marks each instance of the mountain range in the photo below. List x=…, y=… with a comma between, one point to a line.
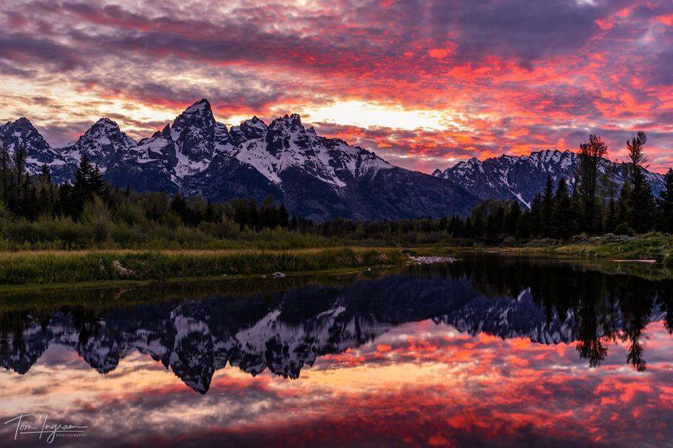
x=316, y=177
x=521, y=178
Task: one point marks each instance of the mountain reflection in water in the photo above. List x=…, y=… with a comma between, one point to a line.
x=527, y=317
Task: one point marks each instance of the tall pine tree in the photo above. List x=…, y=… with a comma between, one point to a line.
x=640, y=203
x=534, y=222
x=561, y=223
x=665, y=203
x=5, y=173
x=547, y=207
x=590, y=155
x=88, y=184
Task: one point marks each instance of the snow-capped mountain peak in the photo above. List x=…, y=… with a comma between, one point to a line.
x=103, y=133
x=22, y=133
x=201, y=107
x=316, y=177
x=290, y=122
x=23, y=126
x=521, y=177
x=251, y=129
x=102, y=142
x=105, y=124
x=197, y=116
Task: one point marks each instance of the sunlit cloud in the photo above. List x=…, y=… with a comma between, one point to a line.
x=367, y=115
x=445, y=80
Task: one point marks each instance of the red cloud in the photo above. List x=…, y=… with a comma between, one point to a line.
x=508, y=82
x=437, y=386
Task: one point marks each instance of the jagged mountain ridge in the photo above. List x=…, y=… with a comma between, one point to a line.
x=316, y=177
x=521, y=177
x=38, y=152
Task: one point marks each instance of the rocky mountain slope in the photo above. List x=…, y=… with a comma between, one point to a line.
x=520, y=178
x=316, y=177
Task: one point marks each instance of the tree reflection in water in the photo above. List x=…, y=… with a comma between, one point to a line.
x=548, y=302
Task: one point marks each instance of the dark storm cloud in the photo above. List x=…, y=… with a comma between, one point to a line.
x=20, y=48
x=518, y=29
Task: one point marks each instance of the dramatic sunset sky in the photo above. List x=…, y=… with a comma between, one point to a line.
x=422, y=83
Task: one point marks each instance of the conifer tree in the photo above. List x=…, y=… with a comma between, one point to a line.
x=665, y=203
x=468, y=230
x=575, y=214
x=478, y=225
x=16, y=182
x=560, y=222
x=88, y=184
x=495, y=223
x=5, y=173
x=611, y=218
x=640, y=202
x=28, y=199
x=46, y=192
x=283, y=216
x=622, y=212
x=534, y=222
x=590, y=155
x=523, y=225
x=547, y=207
x=608, y=186
x=512, y=219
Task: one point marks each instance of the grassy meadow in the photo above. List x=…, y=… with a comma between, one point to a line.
x=47, y=267
x=194, y=253
x=652, y=247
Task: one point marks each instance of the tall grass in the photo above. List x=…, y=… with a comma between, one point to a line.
x=71, y=267
x=49, y=233
x=66, y=234
x=651, y=246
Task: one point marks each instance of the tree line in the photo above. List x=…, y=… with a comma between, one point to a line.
x=590, y=203
x=32, y=197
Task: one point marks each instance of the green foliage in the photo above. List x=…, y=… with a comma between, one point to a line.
x=650, y=246
x=547, y=207
x=665, y=203
x=561, y=222
x=590, y=155
x=72, y=267
x=640, y=204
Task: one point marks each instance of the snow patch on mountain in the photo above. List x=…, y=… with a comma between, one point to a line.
x=101, y=142
x=316, y=177
x=520, y=178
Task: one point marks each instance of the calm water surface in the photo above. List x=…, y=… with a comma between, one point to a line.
x=487, y=351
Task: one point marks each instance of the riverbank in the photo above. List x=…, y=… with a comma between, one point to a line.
x=652, y=247
x=49, y=267
x=40, y=268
